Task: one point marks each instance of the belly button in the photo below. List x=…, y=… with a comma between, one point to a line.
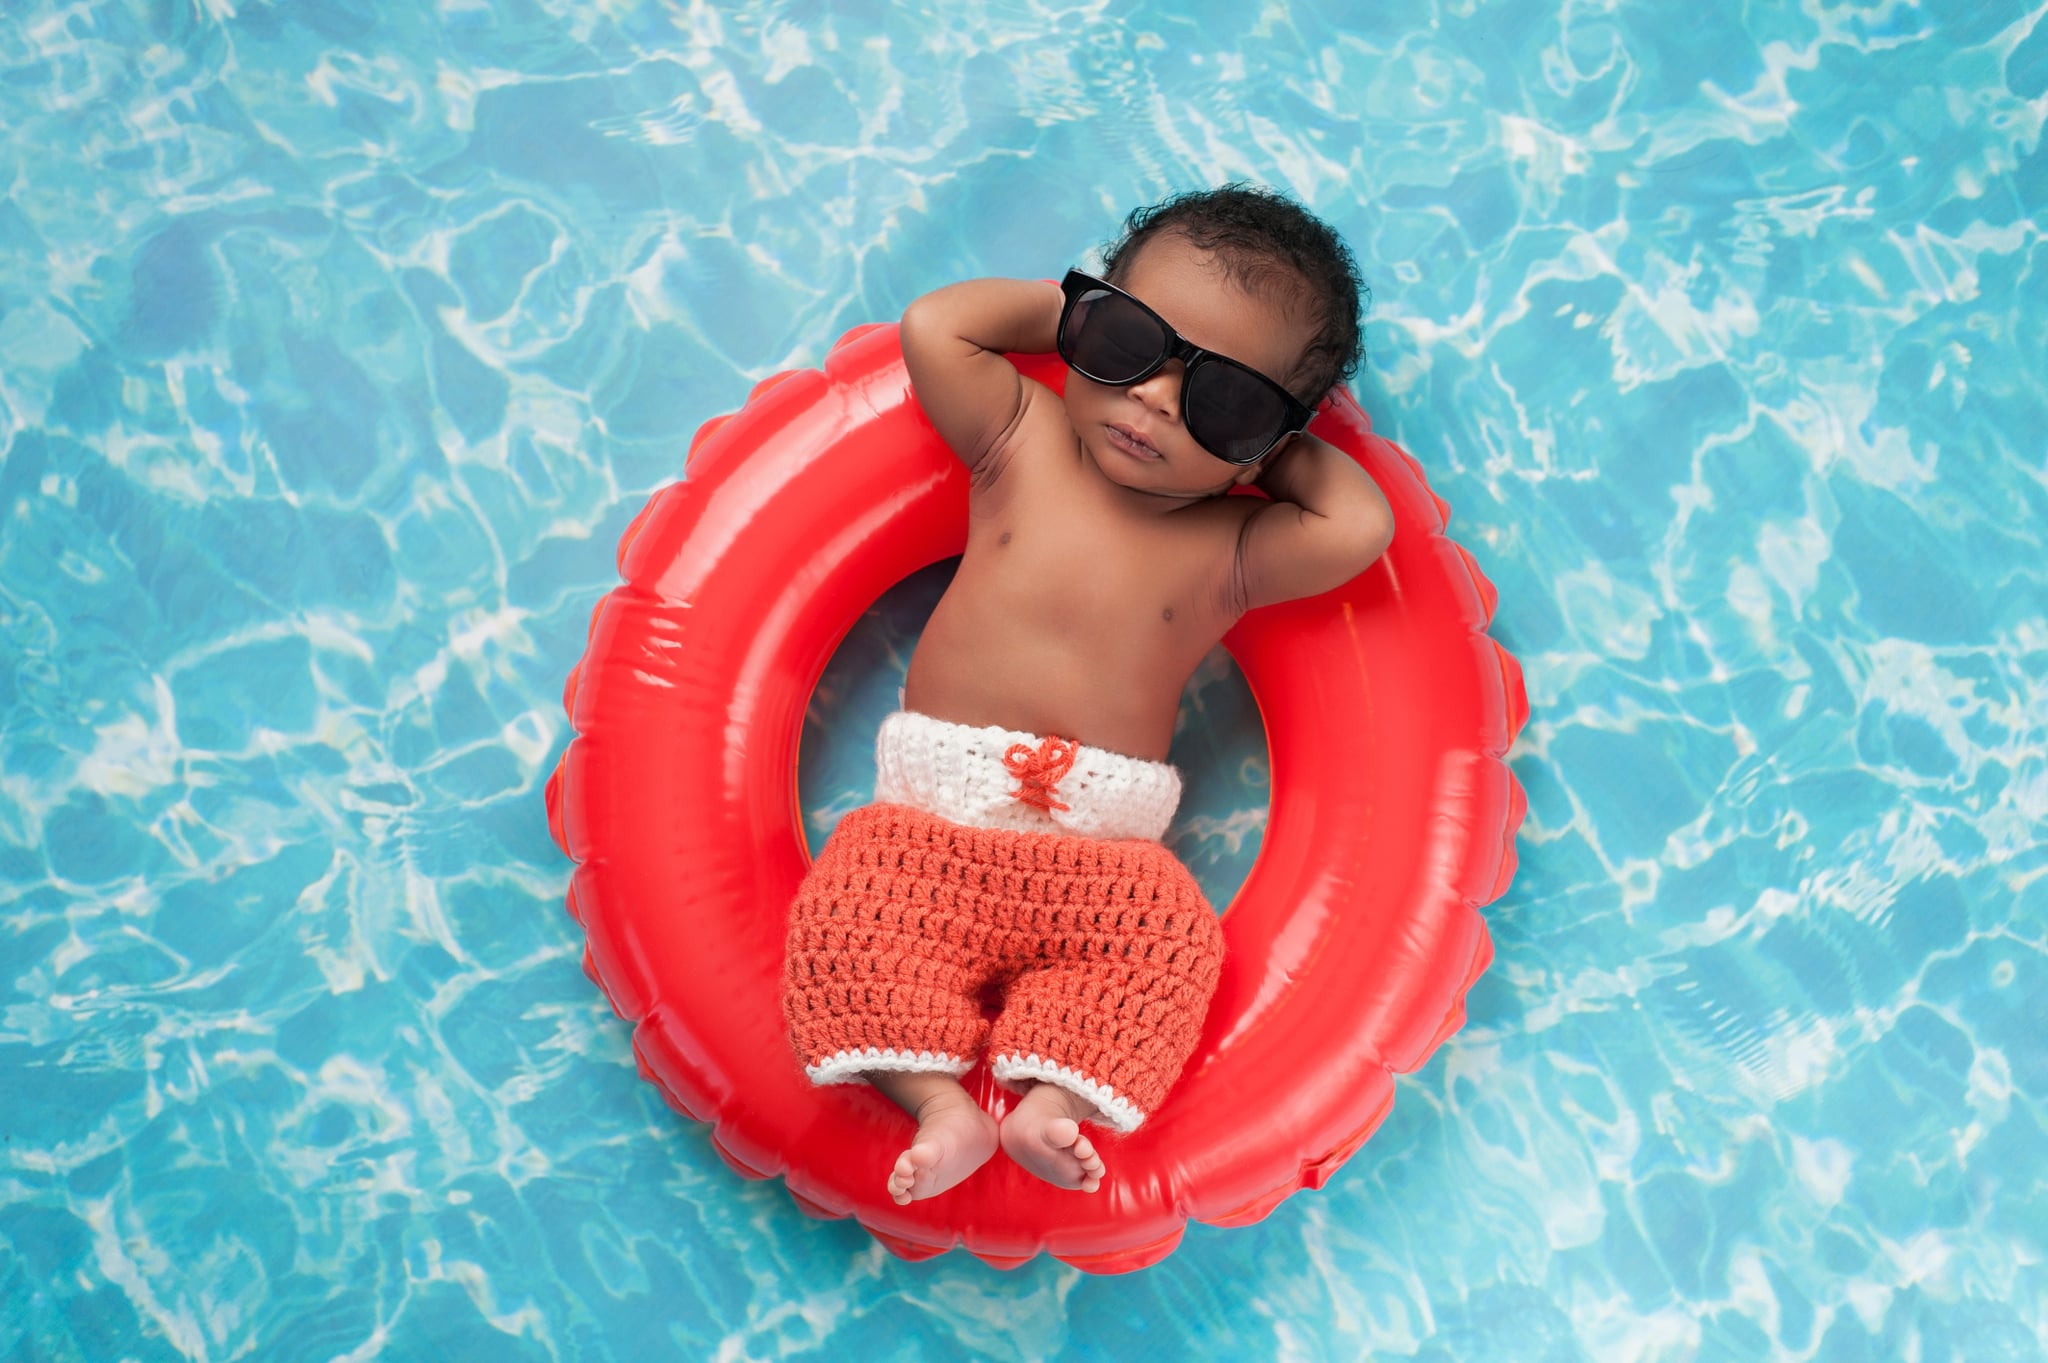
x=1167, y=614
x=1005, y=539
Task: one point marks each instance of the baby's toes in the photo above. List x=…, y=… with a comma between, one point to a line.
x=1091, y=1163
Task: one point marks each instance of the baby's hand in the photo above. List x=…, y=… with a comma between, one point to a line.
x=1328, y=523
x=954, y=341
x=1278, y=472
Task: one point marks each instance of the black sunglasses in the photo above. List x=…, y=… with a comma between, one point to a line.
x=1232, y=410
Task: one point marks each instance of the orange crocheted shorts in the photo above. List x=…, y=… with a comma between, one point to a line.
x=1101, y=956
x=1096, y=956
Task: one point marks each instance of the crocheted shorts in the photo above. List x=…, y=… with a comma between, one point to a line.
x=1022, y=873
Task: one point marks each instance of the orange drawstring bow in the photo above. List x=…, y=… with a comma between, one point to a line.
x=1039, y=772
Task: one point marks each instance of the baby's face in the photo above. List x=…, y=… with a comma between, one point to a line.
x=1135, y=434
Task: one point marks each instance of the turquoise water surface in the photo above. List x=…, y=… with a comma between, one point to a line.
x=340, y=340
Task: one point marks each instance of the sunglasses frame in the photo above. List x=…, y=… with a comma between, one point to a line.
x=1297, y=413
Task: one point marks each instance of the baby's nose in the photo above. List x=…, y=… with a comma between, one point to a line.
x=1162, y=390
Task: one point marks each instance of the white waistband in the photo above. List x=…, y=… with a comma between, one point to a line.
x=990, y=777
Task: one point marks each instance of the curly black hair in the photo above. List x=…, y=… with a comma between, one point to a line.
x=1267, y=241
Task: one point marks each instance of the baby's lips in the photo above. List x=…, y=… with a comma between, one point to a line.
x=1132, y=435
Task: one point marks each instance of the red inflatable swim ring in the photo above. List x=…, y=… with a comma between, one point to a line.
x=1350, y=946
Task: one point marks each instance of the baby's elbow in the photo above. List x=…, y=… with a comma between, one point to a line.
x=1370, y=536
x=1351, y=549
x=921, y=325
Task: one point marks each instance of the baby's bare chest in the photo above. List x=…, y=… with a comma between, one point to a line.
x=1087, y=569
x=1067, y=618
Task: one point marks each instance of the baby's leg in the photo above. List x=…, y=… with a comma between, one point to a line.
x=954, y=1136
x=1043, y=1133
x=882, y=983
x=1101, y=1035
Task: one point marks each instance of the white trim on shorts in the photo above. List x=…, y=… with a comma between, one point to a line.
x=1119, y=1114
x=853, y=1066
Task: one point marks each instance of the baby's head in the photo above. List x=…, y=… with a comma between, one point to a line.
x=1271, y=247
x=1242, y=273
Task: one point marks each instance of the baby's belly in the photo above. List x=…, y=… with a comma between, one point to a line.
x=1091, y=695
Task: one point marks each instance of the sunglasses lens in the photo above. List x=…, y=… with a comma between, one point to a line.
x=1233, y=413
x=1110, y=339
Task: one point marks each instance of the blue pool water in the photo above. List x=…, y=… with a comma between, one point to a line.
x=339, y=341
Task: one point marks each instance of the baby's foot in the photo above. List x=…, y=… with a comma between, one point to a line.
x=954, y=1138
x=1043, y=1133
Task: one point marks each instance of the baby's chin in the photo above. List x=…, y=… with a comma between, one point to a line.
x=1163, y=483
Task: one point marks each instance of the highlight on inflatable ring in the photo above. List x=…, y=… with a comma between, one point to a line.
x=1350, y=947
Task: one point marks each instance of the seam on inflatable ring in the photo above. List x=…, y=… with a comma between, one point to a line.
x=1118, y=1112
x=847, y=1067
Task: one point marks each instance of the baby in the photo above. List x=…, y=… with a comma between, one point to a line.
x=1012, y=856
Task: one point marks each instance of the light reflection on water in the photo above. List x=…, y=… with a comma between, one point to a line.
x=339, y=343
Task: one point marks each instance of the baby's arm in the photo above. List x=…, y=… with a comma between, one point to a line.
x=953, y=345
x=1326, y=524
